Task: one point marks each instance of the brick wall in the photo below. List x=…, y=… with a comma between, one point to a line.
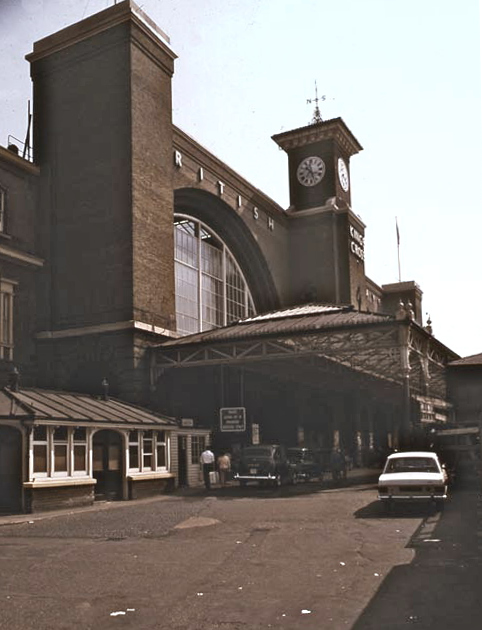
x=142, y=489
x=45, y=499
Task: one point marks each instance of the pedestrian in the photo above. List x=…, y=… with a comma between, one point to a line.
x=224, y=467
x=207, y=463
x=338, y=464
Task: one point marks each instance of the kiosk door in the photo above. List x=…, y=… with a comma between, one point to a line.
x=107, y=464
x=10, y=470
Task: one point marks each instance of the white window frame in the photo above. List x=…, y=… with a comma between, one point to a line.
x=3, y=204
x=46, y=443
x=50, y=442
x=7, y=290
x=54, y=442
x=152, y=451
x=154, y=455
x=138, y=444
x=72, y=444
x=249, y=305
x=166, y=449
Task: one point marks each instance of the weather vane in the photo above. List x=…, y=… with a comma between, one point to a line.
x=316, y=114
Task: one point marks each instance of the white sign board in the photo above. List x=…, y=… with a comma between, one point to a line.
x=232, y=419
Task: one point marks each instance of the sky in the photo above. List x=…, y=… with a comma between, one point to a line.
x=405, y=76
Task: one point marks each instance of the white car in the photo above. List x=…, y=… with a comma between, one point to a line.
x=413, y=476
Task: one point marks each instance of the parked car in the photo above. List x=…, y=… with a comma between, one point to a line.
x=413, y=476
x=323, y=456
x=304, y=464
x=265, y=464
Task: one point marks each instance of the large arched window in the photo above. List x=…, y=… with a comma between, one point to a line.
x=210, y=288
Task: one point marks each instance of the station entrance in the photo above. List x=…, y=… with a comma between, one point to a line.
x=328, y=377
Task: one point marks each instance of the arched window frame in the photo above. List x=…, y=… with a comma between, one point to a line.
x=228, y=259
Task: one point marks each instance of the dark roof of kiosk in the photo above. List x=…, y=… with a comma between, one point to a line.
x=473, y=359
x=298, y=319
x=67, y=407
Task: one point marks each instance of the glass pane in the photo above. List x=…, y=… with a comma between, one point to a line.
x=224, y=296
x=40, y=458
x=80, y=434
x=212, y=260
x=212, y=302
x=147, y=461
x=97, y=457
x=186, y=244
x=6, y=315
x=133, y=456
x=60, y=434
x=186, y=299
x=60, y=457
x=114, y=457
x=40, y=433
x=161, y=436
x=161, y=456
x=235, y=293
x=79, y=457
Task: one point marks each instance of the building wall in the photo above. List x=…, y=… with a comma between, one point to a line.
x=19, y=262
x=465, y=392
x=85, y=219
x=103, y=141
x=195, y=169
x=152, y=192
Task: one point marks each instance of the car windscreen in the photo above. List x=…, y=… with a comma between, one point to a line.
x=297, y=455
x=260, y=451
x=411, y=464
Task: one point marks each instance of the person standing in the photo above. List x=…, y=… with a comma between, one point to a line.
x=224, y=466
x=207, y=463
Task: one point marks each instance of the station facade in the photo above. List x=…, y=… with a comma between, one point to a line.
x=129, y=254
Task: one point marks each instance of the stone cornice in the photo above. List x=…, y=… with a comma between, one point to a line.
x=9, y=158
x=334, y=129
x=18, y=255
x=333, y=205
x=95, y=24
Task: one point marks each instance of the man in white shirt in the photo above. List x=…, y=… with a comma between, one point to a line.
x=207, y=462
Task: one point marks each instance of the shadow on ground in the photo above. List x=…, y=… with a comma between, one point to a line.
x=440, y=589
x=362, y=479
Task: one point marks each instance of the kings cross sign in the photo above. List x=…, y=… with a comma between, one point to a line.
x=232, y=419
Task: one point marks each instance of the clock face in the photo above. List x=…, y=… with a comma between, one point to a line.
x=311, y=171
x=343, y=175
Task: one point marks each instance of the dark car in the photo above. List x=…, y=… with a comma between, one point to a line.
x=304, y=464
x=265, y=464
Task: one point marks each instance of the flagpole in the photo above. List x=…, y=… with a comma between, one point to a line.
x=398, y=251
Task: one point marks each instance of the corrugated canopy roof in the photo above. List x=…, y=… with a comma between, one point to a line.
x=68, y=407
x=311, y=317
x=474, y=359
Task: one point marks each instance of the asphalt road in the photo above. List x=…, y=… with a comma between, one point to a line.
x=310, y=557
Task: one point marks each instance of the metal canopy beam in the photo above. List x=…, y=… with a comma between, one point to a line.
x=389, y=352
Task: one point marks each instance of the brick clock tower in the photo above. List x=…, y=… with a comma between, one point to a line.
x=327, y=238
